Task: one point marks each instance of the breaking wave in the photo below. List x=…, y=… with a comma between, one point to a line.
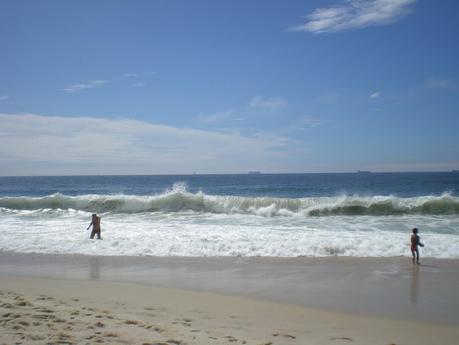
x=179, y=199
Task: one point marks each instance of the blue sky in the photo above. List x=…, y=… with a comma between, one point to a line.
x=159, y=87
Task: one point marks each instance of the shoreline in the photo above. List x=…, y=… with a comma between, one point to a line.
x=76, y=299
x=389, y=288
x=37, y=310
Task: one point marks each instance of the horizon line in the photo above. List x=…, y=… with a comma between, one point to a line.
x=247, y=173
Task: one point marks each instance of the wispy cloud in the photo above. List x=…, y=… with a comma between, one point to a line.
x=375, y=95
x=83, y=86
x=132, y=79
x=4, y=97
x=269, y=103
x=311, y=122
x=330, y=97
x=96, y=145
x=218, y=116
x=440, y=84
x=355, y=14
x=255, y=107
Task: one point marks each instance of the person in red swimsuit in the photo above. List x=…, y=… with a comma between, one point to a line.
x=415, y=242
x=95, y=223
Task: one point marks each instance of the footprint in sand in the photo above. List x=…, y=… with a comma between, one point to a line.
x=167, y=342
x=7, y=305
x=186, y=324
x=44, y=297
x=111, y=335
x=342, y=338
x=43, y=316
x=18, y=328
x=154, y=328
x=131, y=322
x=46, y=310
x=99, y=324
x=230, y=338
x=284, y=335
x=23, y=303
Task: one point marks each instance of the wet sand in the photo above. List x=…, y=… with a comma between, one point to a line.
x=85, y=300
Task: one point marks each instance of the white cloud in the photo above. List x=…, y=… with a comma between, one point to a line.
x=270, y=103
x=375, y=95
x=4, y=97
x=35, y=144
x=254, y=107
x=218, y=116
x=311, y=122
x=354, y=14
x=439, y=84
x=127, y=79
x=330, y=97
x=89, y=85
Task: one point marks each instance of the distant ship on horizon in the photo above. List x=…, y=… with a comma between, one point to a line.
x=363, y=172
x=254, y=172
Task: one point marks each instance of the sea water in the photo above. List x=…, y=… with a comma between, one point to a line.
x=284, y=215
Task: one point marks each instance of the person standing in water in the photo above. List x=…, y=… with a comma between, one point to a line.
x=95, y=223
x=415, y=242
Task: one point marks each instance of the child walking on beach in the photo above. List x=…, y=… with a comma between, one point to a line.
x=415, y=242
x=95, y=223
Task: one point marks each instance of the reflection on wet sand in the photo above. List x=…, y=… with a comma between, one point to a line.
x=414, y=289
x=94, y=268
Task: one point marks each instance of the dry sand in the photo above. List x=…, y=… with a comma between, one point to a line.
x=37, y=310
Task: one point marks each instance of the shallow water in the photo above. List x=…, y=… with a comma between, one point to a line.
x=233, y=215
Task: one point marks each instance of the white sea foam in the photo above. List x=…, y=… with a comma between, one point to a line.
x=178, y=200
x=205, y=234
x=179, y=223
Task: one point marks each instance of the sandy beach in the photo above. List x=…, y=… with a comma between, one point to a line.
x=61, y=299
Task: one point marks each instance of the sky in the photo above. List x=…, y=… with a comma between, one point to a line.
x=181, y=87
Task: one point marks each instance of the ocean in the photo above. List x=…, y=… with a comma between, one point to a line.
x=276, y=215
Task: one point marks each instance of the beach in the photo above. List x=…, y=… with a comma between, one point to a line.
x=229, y=259
x=76, y=299
x=229, y=172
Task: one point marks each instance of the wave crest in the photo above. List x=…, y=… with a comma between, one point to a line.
x=179, y=199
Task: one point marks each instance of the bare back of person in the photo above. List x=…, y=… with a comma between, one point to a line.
x=95, y=223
